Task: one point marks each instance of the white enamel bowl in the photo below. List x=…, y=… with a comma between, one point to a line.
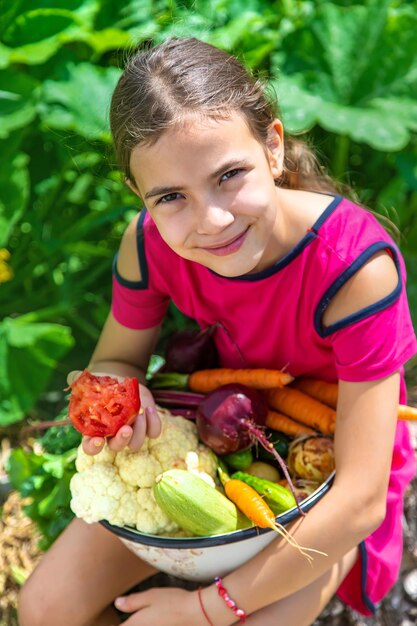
x=203, y=558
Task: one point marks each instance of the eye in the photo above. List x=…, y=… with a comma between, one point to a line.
x=231, y=174
x=170, y=197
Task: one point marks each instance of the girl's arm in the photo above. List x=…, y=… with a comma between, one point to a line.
x=123, y=351
x=353, y=508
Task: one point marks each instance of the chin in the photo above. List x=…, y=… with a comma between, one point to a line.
x=232, y=270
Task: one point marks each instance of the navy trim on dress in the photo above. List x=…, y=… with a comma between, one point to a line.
x=140, y=244
x=325, y=331
x=364, y=575
x=298, y=248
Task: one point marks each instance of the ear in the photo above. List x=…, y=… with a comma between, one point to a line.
x=132, y=187
x=275, y=147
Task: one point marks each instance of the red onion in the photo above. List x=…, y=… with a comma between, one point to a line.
x=190, y=350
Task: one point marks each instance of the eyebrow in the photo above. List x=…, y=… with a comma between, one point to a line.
x=159, y=191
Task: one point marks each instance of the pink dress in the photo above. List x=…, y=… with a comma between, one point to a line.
x=273, y=319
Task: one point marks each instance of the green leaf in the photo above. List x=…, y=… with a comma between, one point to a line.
x=365, y=95
x=380, y=130
x=127, y=15
x=405, y=108
x=60, y=496
x=342, y=32
x=34, y=36
x=111, y=39
x=37, y=25
x=299, y=108
x=14, y=193
x=17, y=100
x=81, y=103
x=29, y=353
x=21, y=465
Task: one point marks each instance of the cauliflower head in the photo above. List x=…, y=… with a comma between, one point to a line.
x=117, y=486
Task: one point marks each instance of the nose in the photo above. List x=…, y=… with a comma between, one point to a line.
x=211, y=218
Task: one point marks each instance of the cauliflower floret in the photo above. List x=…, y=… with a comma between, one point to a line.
x=99, y=493
x=138, y=469
x=178, y=436
x=83, y=460
x=207, y=460
x=192, y=461
x=151, y=519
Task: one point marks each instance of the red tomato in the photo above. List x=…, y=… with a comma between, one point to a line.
x=100, y=405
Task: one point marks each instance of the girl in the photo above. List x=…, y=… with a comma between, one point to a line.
x=242, y=227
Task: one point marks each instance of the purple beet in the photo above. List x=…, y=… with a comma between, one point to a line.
x=190, y=350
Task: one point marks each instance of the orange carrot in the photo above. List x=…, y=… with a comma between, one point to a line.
x=204, y=381
x=327, y=393
x=283, y=423
x=319, y=389
x=257, y=510
x=406, y=412
x=302, y=408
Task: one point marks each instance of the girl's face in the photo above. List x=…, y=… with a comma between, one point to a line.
x=209, y=187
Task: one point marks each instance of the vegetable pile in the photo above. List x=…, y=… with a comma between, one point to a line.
x=176, y=484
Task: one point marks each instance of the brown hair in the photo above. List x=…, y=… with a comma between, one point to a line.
x=163, y=85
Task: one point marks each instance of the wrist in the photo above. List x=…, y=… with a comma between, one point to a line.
x=216, y=611
x=118, y=369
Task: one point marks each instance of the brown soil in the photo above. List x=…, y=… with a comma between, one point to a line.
x=18, y=556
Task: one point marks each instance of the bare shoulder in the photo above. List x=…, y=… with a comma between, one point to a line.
x=127, y=260
x=373, y=281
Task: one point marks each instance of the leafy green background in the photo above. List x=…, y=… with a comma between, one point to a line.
x=346, y=77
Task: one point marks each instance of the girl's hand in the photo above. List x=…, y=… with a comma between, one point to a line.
x=146, y=424
x=162, y=607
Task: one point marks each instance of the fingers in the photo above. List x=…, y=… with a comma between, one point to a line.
x=93, y=445
x=73, y=376
x=153, y=422
x=139, y=431
x=121, y=439
x=132, y=602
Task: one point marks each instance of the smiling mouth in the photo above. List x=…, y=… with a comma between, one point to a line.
x=228, y=247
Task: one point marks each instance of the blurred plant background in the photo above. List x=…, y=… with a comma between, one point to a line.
x=346, y=78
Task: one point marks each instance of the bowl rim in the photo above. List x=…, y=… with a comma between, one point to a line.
x=131, y=534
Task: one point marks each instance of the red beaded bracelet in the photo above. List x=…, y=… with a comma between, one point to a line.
x=240, y=613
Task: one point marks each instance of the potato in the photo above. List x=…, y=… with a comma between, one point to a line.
x=263, y=470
